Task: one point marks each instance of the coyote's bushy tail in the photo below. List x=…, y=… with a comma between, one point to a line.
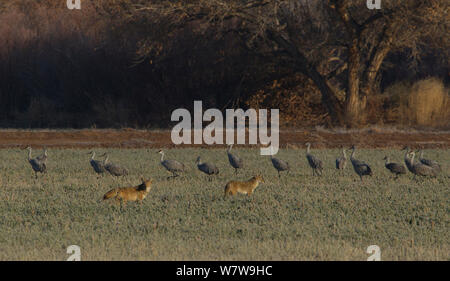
x=111, y=194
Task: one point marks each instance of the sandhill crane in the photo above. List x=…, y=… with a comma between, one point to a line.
x=114, y=169
x=407, y=160
x=235, y=161
x=279, y=164
x=97, y=165
x=207, y=168
x=395, y=168
x=431, y=163
x=38, y=164
x=361, y=168
x=341, y=162
x=314, y=162
x=420, y=168
x=43, y=156
x=172, y=166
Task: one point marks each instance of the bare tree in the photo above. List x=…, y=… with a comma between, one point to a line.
x=339, y=44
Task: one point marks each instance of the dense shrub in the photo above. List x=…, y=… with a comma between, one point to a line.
x=423, y=103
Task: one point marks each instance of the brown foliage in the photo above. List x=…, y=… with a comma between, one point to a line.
x=425, y=103
x=297, y=98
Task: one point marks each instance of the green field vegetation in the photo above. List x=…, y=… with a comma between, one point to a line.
x=300, y=217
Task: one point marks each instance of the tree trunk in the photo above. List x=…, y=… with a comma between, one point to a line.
x=354, y=105
x=376, y=60
x=303, y=66
x=328, y=96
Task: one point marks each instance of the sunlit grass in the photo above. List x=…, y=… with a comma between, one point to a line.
x=297, y=217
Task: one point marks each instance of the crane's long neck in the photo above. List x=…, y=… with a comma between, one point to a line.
x=421, y=154
x=343, y=153
x=407, y=160
x=229, y=148
x=93, y=156
x=162, y=156
x=29, y=153
x=406, y=155
x=308, y=146
x=387, y=161
x=106, y=159
x=412, y=158
x=353, y=153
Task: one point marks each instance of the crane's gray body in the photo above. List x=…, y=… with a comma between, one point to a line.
x=234, y=160
x=395, y=168
x=172, y=166
x=314, y=162
x=421, y=169
x=207, y=168
x=361, y=168
x=114, y=169
x=38, y=164
x=279, y=164
x=431, y=163
x=97, y=165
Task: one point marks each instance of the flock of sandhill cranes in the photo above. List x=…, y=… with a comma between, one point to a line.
x=101, y=167
x=424, y=167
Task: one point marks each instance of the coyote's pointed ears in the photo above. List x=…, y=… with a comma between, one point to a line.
x=144, y=180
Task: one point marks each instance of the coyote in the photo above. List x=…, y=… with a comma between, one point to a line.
x=134, y=193
x=246, y=187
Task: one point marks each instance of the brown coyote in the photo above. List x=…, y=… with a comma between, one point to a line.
x=246, y=187
x=134, y=193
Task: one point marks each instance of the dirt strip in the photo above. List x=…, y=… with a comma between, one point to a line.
x=129, y=138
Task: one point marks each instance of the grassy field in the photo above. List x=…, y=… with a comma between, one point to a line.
x=300, y=217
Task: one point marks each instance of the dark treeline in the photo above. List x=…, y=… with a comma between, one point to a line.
x=131, y=63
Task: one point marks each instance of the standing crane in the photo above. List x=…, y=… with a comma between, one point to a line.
x=341, y=162
x=280, y=165
x=420, y=168
x=235, y=161
x=97, y=165
x=172, y=166
x=38, y=164
x=360, y=167
x=114, y=169
x=314, y=162
x=395, y=168
x=431, y=163
x=207, y=168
